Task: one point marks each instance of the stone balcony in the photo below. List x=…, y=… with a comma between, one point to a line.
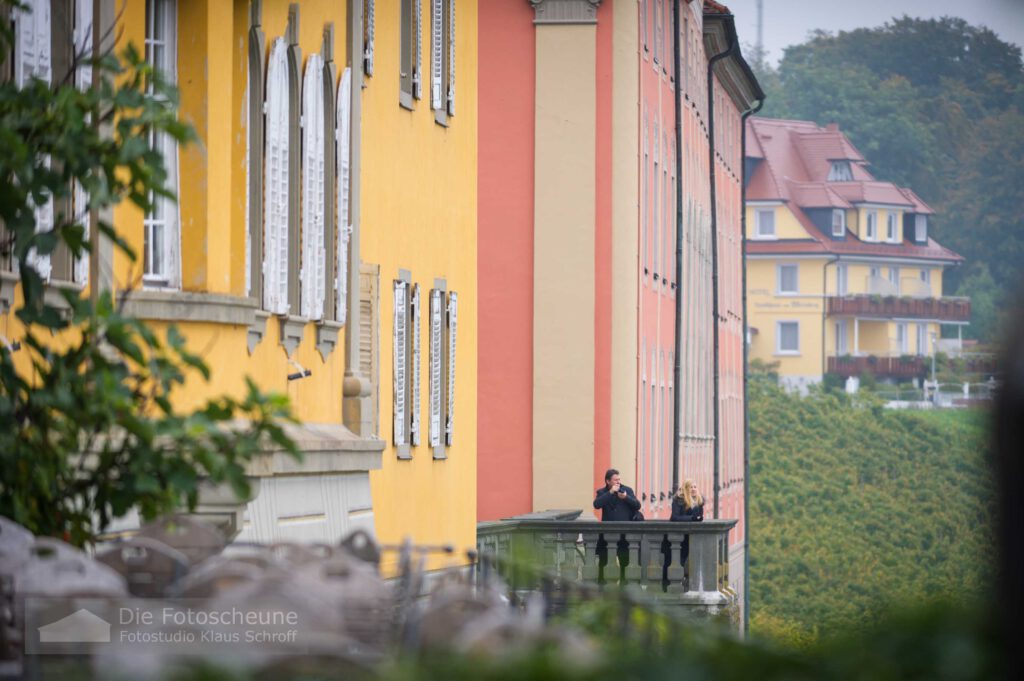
x=671, y=564
x=905, y=307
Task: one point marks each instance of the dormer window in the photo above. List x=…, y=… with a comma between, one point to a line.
x=871, y=232
x=891, y=233
x=920, y=228
x=841, y=171
x=838, y=222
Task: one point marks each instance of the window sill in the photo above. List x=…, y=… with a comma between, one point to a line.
x=185, y=306
x=441, y=117
x=764, y=238
x=327, y=332
x=788, y=353
x=405, y=100
x=292, y=329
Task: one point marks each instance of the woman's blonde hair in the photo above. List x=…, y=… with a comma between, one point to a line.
x=684, y=494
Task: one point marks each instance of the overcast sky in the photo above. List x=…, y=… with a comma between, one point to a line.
x=787, y=22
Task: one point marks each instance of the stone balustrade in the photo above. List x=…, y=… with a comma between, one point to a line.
x=670, y=563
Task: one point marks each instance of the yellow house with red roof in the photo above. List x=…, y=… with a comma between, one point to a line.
x=842, y=274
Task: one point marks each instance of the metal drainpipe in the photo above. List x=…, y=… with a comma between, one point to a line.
x=714, y=263
x=746, y=360
x=677, y=370
x=824, y=310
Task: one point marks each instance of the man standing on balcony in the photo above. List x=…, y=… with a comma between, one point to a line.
x=616, y=501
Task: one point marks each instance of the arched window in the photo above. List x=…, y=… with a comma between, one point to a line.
x=314, y=256
x=344, y=224
x=275, y=182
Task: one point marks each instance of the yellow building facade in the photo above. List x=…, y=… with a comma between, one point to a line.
x=323, y=174
x=842, y=275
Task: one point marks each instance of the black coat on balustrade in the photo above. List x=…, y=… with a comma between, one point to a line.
x=612, y=507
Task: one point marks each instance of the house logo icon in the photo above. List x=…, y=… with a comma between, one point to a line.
x=80, y=626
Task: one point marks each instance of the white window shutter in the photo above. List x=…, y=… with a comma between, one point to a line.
x=313, y=269
x=368, y=31
x=451, y=58
x=275, y=182
x=436, y=52
x=82, y=35
x=248, y=199
x=436, y=339
x=343, y=133
x=453, y=310
x=399, y=355
x=414, y=424
x=417, y=40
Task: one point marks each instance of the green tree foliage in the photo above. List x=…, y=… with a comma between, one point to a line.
x=933, y=104
x=88, y=430
x=857, y=510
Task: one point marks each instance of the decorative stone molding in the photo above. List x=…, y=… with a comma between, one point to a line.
x=53, y=296
x=327, y=337
x=291, y=332
x=257, y=329
x=325, y=448
x=187, y=306
x=565, y=11
x=8, y=282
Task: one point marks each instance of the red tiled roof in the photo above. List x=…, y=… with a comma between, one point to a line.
x=712, y=7
x=794, y=162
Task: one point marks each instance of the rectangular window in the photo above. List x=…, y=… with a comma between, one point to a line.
x=871, y=230
x=926, y=276
x=840, y=172
x=838, y=222
x=922, y=339
x=400, y=355
x=787, y=279
x=901, y=338
x=891, y=233
x=894, y=278
x=162, y=238
x=444, y=308
x=657, y=31
x=764, y=224
x=442, y=59
x=409, y=63
x=787, y=336
x=643, y=24
x=920, y=228
x=842, y=280
x=842, y=347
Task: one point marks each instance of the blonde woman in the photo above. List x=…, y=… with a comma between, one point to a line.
x=688, y=504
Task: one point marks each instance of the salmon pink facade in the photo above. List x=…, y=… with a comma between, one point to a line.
x=600, y=255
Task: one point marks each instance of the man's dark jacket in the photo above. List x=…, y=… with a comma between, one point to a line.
x=614, y=508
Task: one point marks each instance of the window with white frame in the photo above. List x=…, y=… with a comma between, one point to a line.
x=313, y=269
x=343, y=174
x=406, y=352
x=871, y=228
x=842, y=280
x=443, y=327
x=894, y=278
x=838, y=222
x=842, y=337
x=787, y=335
x=901, y=337
x=921, y=228
x=764, y=223
x=254, y=157
x=162, y=241
x=840, y=171
x=926, y=275
x=922, y=339
x=787, y=279
x=33, y=59
x=82, y=44
x=276, y=186
x=442, y=59
x=891, y=231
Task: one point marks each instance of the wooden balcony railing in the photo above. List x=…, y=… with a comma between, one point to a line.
x=943, y=309
x=896, y=367
x=685, y=564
